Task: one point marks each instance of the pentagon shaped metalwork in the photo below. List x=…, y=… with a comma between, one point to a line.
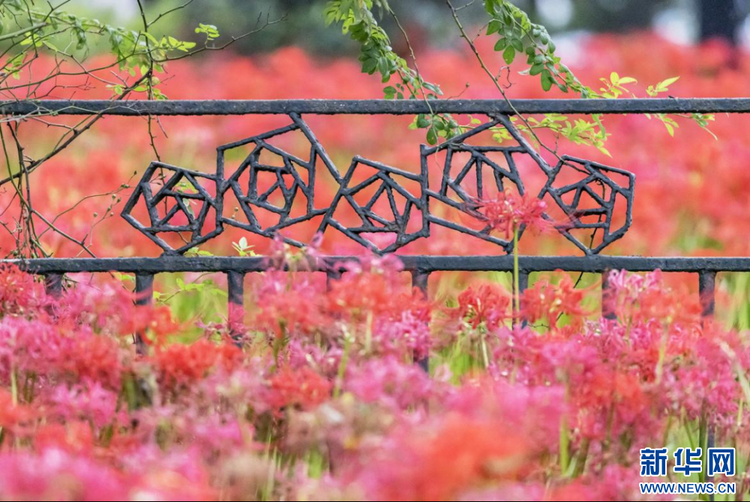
x=294, y=178
x=502, y=177
x=398, y=219
x=601, y=205
x=181, y=190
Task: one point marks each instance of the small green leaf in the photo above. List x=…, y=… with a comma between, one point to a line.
x=547, y=80
x=431, y=136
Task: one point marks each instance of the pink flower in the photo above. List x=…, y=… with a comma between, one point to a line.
x=390, y=382
x=87, y=400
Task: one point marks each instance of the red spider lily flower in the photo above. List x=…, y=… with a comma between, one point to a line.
x=180, y=364
x=300, y=387
x=291, y=311
x=14, y=416
x=441, y=462
x=549, y=301
x=20, y=292
x=408, y=335
x=486, y=303
x=372, y=285
x=391, y=382
x=72, y=437
x=96, y=358
x=290, y=303
x=55, y=474
x=510, y=211
x=644, y=298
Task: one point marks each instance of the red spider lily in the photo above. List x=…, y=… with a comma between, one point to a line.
x=509, y=212
x=291, y=311
x=19, y=292
x=439, y=463
x=487, y=303
x=300, y=387
x=180, y=364
x=391, y=382
x=372, y=286
x=73, y=437
x=95, y=358
x=549, y=301
x=643, y=298
x=14, y=416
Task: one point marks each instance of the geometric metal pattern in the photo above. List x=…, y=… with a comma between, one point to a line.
x=272, y=181
x=590, y=201
x=292, y=179
x=179, y=206
x=397, y=218
x=453, y=192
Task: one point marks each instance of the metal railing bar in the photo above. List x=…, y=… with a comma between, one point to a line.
x=608, y=300
x=425, y=264
x=420, y=280
x=144, y=295
x=375, y=106
x=707, y=291
x=53, y=285
x=235, y=304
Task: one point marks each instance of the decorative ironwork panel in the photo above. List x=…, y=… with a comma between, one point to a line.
x=272, y=180
x=180, y=206
x=293, y=179
x=597, y=187
x=396, y=222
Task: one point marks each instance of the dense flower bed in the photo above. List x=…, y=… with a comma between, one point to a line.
x=324, y=399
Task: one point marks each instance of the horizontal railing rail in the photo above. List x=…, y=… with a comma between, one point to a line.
x=374, y=106
x=426, y=264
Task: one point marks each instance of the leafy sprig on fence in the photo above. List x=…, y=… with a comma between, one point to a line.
x=517, y=36
x=376, y=55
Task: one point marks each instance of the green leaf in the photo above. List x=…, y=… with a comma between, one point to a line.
x=431, y=136
x=509, y=55
x=547, y=80
x=666, y=83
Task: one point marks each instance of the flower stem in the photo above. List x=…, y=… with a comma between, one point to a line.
x=564, y=438
x=516, y=280
x=342, y=365
x=13, y=387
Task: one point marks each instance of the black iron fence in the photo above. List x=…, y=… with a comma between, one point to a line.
x=610, y=188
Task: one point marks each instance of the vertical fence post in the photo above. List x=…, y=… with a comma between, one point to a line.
x=608, y=297
x=523, y=285
x=331, y=275
x=235, y=305
x=53, y=285
x=420, y=280
x=707, y=292
x=144, y=295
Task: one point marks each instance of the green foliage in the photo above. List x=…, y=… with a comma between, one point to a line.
x=376, y=55
x=211, y=32
x=68, y=36
x=517, y=35
x=243, y=248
